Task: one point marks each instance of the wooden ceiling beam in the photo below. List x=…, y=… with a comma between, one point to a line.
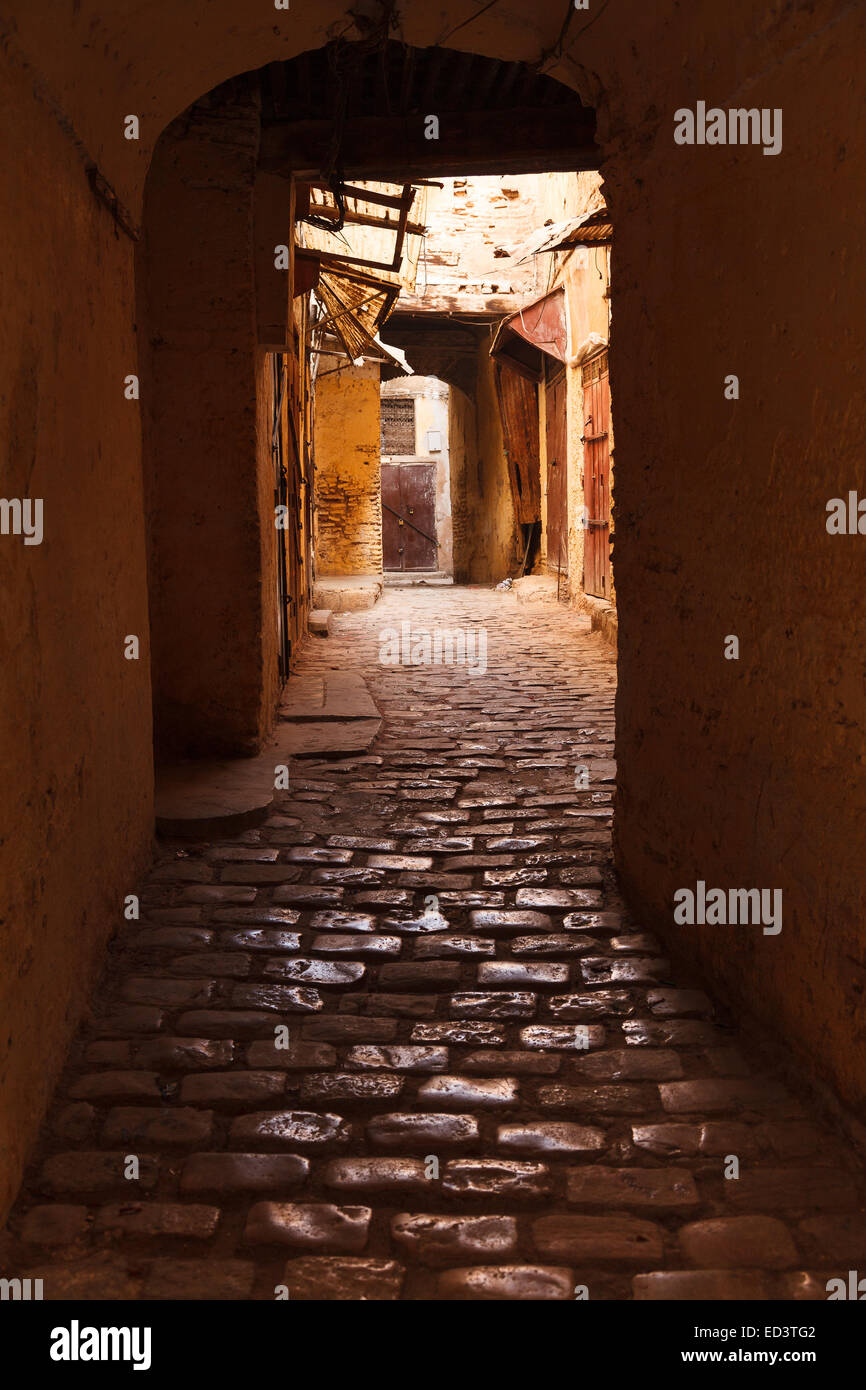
x=394, y=148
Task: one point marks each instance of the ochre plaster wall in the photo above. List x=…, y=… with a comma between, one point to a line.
x=206, y=451
x=348, y=475
x=493, y=544
x=463, y=467
x=76, y=799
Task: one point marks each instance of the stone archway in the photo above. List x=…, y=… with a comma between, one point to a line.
x=715, y=275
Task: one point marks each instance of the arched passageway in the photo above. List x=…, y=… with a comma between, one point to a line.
x=738, y=773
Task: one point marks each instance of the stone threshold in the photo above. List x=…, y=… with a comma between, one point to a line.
x=319, y=715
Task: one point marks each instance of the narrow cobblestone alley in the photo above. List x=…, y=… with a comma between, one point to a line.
x=495, y=1087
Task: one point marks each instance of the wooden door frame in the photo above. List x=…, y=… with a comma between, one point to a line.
x=600, y=523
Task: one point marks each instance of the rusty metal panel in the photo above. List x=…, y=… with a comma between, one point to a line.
x=557, y=473
x=392, y=532
x=542, y=326
x=409, y=516
x=518, y=411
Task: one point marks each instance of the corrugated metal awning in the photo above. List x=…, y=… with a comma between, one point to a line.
x=536, y=331
x=589, y=229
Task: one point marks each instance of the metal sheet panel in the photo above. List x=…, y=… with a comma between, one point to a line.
x=543, y=326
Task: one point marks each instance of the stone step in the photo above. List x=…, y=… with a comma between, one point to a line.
x=319, y=622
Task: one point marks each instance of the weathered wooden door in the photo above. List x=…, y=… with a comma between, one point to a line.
x=409, y=516
x=518, y=412
x=557, y=474
x=596, y=476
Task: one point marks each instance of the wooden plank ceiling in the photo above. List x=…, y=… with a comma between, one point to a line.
x=360, y=111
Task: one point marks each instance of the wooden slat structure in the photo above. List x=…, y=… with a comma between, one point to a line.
x=360, y=109
x=518, y=411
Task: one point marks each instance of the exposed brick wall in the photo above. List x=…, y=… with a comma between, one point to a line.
x=348, y=473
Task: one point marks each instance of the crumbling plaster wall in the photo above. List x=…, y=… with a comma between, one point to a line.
x=473, y=226
x=741, y=773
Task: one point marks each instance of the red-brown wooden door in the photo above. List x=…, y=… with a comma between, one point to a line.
x=557, y=474
x=409, y=516
x=596, y=476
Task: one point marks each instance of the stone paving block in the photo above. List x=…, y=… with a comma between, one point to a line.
x=503, y=1179
x=738, y=1242
x=469, y=1093
x=453, y=946
x=406, y=1023
x=233, y=1089
x=342, y=922
x=532, y=1283
x=567, y=1037
x=331, y=1028
x=325, y=973
x=369, y=947
x=793, y=1189
x=180, y=1220
x=601, y=1003
x=459, y=1033
x=443, y=1240
x=392, y=1175
x=221, y=1174
x=624, y=1064
x=413, y=1133
x=156, y=1128
x=668, y=1189
x=283, y=999
x=701, y=1285
x=501, y=1004
x=324, y=1087
x=289, y=1129
x=209, y=1280
x=56, y=1224
x=488, y=1061
x=599, y=1239
x=720, y=1097
x=549, y=1138
x=420, y=975
x=620, y=1099
x=329, y=1279
x=398, y=1058
x=86, y=1171
x=487, y=920
x=309, y=1226
x=96, y=1278
x=502, y=973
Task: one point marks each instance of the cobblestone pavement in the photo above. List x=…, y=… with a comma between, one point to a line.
x=494, y=1086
